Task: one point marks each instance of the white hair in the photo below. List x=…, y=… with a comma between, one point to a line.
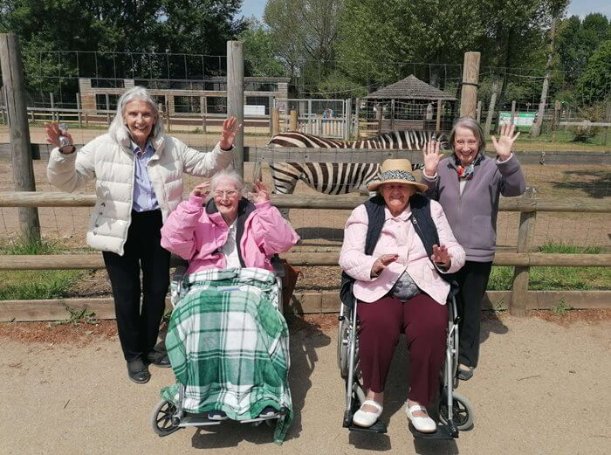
x=118, y=131
x=227, y=174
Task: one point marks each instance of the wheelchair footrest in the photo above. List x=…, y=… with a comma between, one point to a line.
x=378, y=427
x=444, y=432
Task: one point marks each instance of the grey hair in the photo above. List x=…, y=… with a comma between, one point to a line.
x=472, y=125
x=118, y=131
x=227, y=174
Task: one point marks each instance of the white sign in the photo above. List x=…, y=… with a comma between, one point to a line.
x=254, y=110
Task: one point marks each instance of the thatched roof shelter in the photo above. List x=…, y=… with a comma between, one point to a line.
x=411, y=88
x=411, y=104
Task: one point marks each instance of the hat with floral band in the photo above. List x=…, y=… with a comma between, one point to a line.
x=395, y=171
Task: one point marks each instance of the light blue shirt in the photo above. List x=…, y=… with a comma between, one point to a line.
x=144, y=195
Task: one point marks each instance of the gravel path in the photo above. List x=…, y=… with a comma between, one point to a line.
x=542, y=388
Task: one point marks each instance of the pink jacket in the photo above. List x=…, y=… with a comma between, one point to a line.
x=196, y=234
x=398, y=237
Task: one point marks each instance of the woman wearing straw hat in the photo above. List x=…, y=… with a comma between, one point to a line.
x=400, y=288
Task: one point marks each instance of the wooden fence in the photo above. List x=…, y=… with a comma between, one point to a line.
x=519, y=300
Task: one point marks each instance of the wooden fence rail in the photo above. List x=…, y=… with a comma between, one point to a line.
x=518, y=300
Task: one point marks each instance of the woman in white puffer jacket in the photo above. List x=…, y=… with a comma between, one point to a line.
x=138, y=172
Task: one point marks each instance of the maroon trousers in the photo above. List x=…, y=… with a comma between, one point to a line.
x=424, y=322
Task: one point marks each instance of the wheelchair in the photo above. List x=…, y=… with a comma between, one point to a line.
x=454, y=410
x=181, y=406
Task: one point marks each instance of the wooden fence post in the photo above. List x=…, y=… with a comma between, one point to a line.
x=470, y=78
x=521, y=275
x=275, y=121
x=235, y=98
x=203, y=110
x=293, y=121
x=21, y=148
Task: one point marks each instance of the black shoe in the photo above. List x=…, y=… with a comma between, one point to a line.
x=464, y=372
x=159, y=359
x=138, y=371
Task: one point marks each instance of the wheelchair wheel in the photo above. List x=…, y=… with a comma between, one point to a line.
x=462, y=411
x=342, y=347
x=162, y=418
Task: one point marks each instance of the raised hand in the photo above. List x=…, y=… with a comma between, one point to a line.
x=54, y=134
x=230, y=129
x=431, y=156
x=382, y=262
x=441, y=256
x=201, y=190
x=505, y=142
x=260, y=193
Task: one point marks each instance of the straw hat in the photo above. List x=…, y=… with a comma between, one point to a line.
x=395, y=171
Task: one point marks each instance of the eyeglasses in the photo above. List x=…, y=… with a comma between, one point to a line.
x=229, y=194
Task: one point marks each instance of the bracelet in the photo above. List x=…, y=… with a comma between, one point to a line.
x=63, y=147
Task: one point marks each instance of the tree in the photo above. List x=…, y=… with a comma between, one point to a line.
x=578, y=40
x=64, y=39
x=594, y=84
x=303, y=33
x=259, y=58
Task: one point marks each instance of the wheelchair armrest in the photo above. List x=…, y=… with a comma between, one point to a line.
x=277, y=265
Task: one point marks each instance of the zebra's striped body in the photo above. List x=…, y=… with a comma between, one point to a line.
x=338, y=178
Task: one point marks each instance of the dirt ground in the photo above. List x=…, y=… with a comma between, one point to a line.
x=541, y=388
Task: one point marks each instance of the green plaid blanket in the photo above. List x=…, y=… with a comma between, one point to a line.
x=228, y=345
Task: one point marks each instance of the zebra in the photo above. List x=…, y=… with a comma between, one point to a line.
x=340, y=178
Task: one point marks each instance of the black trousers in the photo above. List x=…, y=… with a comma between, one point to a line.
x=473, y=281
x=138, y=324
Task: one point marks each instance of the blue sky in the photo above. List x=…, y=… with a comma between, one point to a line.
x=576, y=7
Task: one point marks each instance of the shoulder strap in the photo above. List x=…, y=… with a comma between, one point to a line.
x=375, y=215
x=423, y=222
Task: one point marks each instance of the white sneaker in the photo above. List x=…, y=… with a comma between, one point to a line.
x=366, y=419
x=421, y=424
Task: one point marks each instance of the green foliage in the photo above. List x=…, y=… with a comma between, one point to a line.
x=553, y=278
x=562, y=308
x=594, y=84
x=50, y=32
x=562, y=248
x=337, y=85
x=259, y=59
x=303, y=31
x=577, y=41
x=585, y=132
x=24, y=246
x=556, y=278
x=38, y=284
x=78, y=316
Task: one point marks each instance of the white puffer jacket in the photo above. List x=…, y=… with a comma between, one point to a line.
x=113, y=166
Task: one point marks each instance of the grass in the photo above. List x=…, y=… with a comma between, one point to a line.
x=561, y=141
x=556, y=278
x=35, y=284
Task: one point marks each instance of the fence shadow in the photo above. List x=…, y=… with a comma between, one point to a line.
x=596, y=184
x=322, y=233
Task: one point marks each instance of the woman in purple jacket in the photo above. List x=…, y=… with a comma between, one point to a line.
x=219, y=228
x=468, y=185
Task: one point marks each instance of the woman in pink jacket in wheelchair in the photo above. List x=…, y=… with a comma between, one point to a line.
x=219, y=228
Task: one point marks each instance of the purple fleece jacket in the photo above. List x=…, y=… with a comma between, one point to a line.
x=472, y=215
